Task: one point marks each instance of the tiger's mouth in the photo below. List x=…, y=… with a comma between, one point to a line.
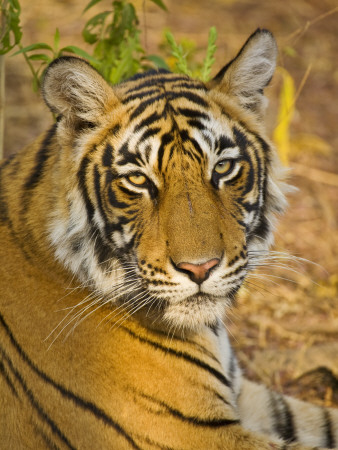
x=202, y=298
x=196, y=311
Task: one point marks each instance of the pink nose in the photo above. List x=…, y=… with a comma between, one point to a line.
x=198, y=272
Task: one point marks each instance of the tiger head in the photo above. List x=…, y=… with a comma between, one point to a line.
x=167, y=185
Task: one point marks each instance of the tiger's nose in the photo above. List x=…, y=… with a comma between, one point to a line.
x=198, y=272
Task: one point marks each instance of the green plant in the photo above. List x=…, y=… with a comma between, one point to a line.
x=46, y=58
x=183, y=55
x=115, y=35
x=117, y=50
x=10, y=31
x=10, y=36
x=117, y=53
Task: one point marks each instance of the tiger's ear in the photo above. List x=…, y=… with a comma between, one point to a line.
x=249, y=72
x=75, y=90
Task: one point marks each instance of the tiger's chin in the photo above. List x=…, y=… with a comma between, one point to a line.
x=195, y=312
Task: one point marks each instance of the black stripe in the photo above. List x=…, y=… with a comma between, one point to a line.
x=184, y=135
x=140, y=95
x=127, y=156
x=149, y=133
x=191, y=96
x=328, y=429
x=50, y=444
x=130, y=192
x=236, y=271
x=144, y=104
x=283, y=423
x=145, y=123
x=289, y=426
x=193, y=113
x=81, y=176
x=210, y=423
x=150, y=74
x=107, y=157
x=152, y=79
x=197, y=147
x=78, y=401
x=262, y=229
x=239, y=222
x=154, y=444
x=113, y=199
x=184, y=356
x=188, y=84
x=34, y=403
x=234, y=260
x=194, y=123
x=97, y=190
x=224, y=142
x=232, y=366
x=214, y=328
x=102, y=251
x=166, y=139
x=7, y=378
x=169, y=96
x=40, y=160
x=185, y=340
x=243, y=143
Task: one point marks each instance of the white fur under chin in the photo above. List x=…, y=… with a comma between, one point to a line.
x=194, y=314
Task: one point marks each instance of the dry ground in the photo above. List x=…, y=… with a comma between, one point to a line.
x=286, y=326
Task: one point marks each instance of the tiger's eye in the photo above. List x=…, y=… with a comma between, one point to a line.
x=224, y=167
x=137, y=179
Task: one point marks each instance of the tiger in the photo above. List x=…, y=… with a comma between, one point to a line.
x=126, y=231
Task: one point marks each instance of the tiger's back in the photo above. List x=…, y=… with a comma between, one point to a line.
x=132, y=223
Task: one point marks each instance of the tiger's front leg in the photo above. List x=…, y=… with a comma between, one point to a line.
x=265, y=411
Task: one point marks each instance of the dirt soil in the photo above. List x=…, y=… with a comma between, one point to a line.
x=285, y=326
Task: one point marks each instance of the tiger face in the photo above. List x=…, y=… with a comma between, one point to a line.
x=169, y=185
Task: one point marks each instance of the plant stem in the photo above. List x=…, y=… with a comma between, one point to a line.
x=35, y=75
x=2, y=104
x=2, y=84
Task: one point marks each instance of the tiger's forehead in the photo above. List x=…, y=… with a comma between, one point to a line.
x=157, y=85
x=170, y=114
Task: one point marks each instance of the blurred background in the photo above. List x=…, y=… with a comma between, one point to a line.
x=285, y=326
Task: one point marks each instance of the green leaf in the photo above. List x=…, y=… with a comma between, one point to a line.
x=95, y=23
x=209, y=59
x=177, y=52
x=78, y=51
x=10, y=34
x=90, y=4
x=29, y=48
x=158, y=61
x=56, y=40
x=40, y=57
x=15, y=4
x=160, y=4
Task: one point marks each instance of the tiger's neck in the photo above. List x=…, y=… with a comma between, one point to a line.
x=28, y=198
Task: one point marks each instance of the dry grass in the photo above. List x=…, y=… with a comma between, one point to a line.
x=285, y=331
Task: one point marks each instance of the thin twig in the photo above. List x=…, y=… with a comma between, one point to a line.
x=300, y=31
x=302, y=82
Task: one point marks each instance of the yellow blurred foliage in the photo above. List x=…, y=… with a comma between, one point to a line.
x=281, y=135
x=328, y=289
x=311, y=143
x=287, y=145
